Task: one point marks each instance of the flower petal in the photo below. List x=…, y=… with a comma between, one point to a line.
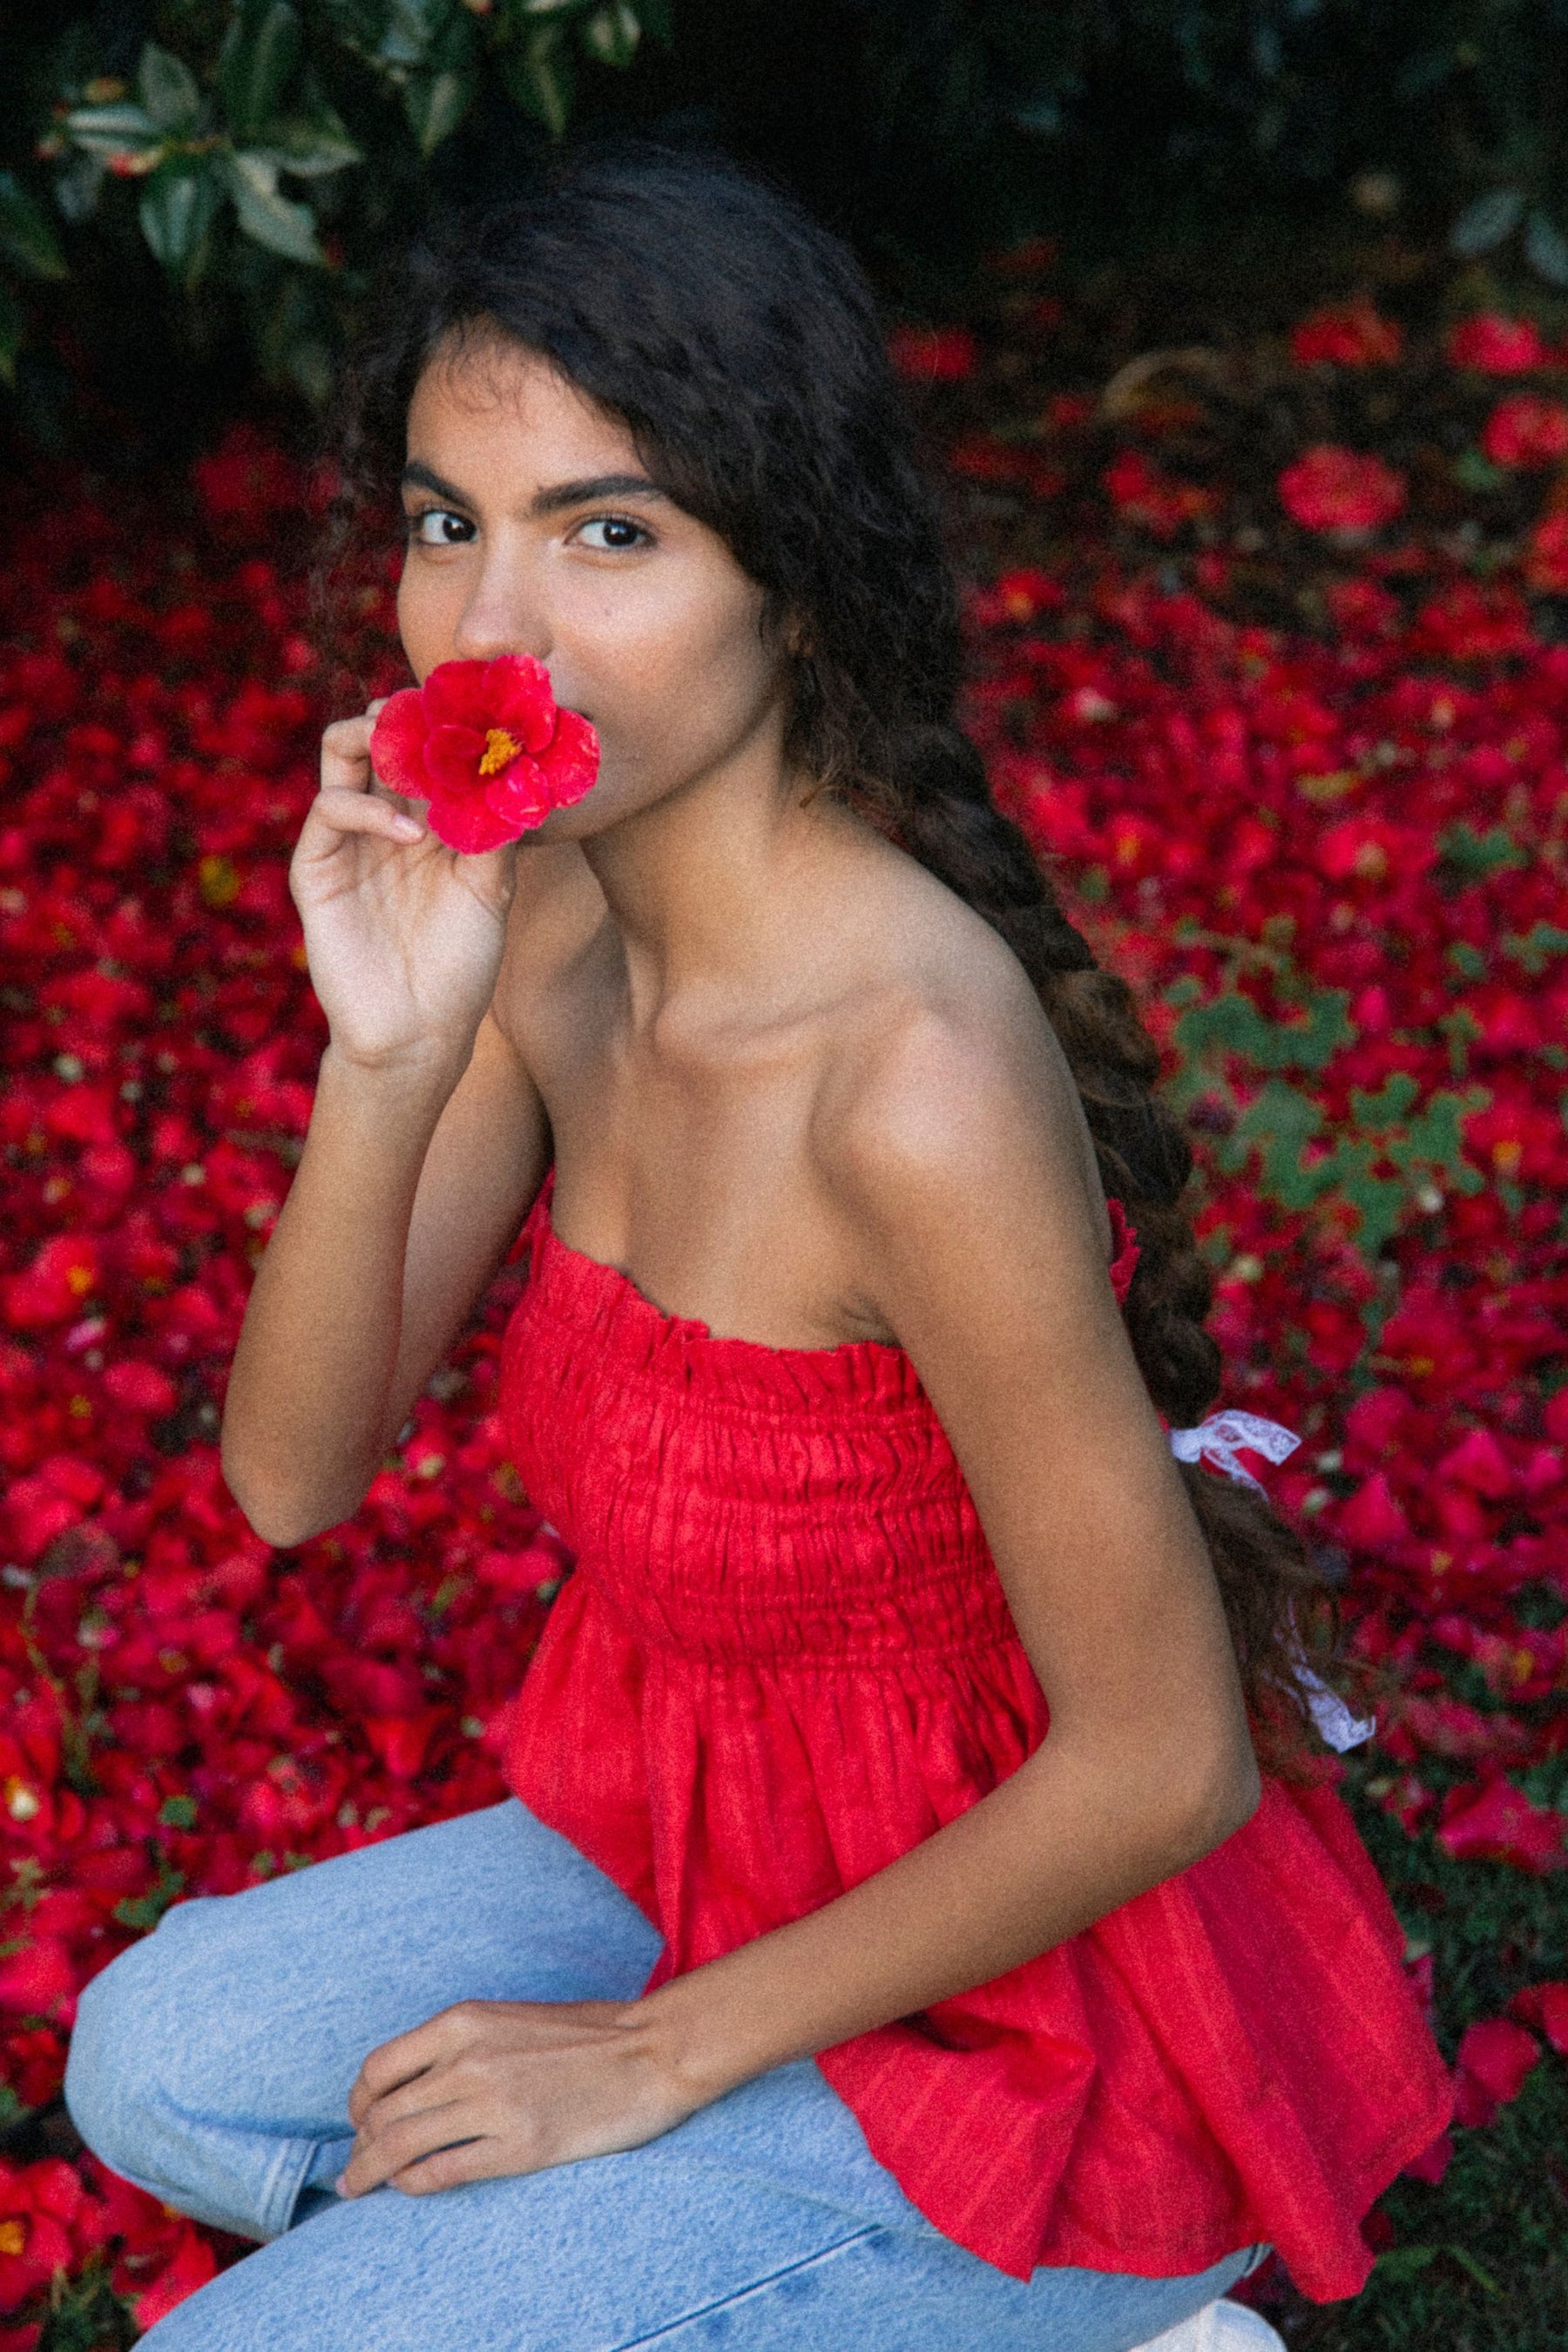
x=467, y=823
x=521, y=795
x=460, y=694
x=519, y=698
x=452, y=756
x=571, y=763
x=397, y=743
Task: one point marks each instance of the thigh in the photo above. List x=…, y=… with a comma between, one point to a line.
x=261, y=2006
x=762, y=2224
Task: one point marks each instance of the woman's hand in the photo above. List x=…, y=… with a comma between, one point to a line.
x=403, y=935
x=521, y=2084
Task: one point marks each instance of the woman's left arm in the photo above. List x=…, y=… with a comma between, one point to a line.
x=960, y=1175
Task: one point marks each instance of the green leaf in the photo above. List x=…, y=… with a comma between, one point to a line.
x=12, y=326
x=267, y=218
x=144, y=1911
x=1483, y=226
x=178, y=206
x=1477, y=854
x=1278, y=1123
x=1536, y=948
x=261, y=56
x=310, y=145
x=1472, y=471
x=436, y=103
x=117, y=129
x=1388, y=1108
x=1403, y=2262
x=1234, y=1023
x=76, y=184
x=26, y=240
x=1467, y=2262
x=1379, y=1202
x=1546, y=250
x=538, y=78
x=611, y=34
x=411, y=30
x=167, y=89
x=178, y=1812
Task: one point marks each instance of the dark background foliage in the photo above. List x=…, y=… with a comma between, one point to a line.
x=195, y=191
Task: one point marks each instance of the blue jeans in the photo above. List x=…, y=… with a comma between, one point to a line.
x=212, y=2063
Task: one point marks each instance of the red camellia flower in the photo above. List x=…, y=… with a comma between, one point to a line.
x=1143, y=493
x=1525, y=430
x=1332, y=488
x=484, y=744
x=932, y=355
x=1494, y=2059
x=1498, y=346
x=1545, y=2006
x=1546, y=556
x=1346, y=334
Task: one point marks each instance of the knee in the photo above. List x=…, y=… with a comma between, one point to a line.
x=137, y=2030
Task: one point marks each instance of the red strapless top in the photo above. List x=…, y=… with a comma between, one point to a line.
x=784, y=1659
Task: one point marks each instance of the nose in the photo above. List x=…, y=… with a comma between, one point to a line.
x=505, y=615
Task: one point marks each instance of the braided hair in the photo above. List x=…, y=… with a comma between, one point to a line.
x=738, y=342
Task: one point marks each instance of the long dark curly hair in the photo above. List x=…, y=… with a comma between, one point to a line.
x=739, y=343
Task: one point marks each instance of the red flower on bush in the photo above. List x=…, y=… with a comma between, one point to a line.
x=1545, y=2006
x=1525, y=430
x=1346, y=334
x=1494, y=2059
x=1498, y=346
x=1546, y=556
x=932, y=355
x=1143, y=493
x=1330, y=488
x=485, y=745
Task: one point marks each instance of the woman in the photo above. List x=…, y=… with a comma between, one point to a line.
x=806, y=1993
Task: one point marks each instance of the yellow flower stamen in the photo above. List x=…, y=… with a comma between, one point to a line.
x=500, y=749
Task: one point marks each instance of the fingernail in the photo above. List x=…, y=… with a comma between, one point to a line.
x=338, y=2185
x=409, y=829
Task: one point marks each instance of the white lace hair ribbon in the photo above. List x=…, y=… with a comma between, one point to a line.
x=1339, y=1726
x=1216, y=1439
x=1218, y=1435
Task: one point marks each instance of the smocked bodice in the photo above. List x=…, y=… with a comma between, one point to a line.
x=741, y=1501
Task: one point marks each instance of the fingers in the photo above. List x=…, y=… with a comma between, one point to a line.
x=393, y=2063
x=389, y=2150
x=475, y=2160
x=338, y=810
x=345, y=753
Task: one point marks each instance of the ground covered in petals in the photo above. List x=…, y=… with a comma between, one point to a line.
x=1270, y=653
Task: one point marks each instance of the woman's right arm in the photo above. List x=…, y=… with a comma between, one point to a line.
x=426, y=1142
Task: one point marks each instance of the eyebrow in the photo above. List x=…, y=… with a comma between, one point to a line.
x=548, y=501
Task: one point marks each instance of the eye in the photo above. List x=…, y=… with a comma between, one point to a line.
x=439, y=527
x=616, y=533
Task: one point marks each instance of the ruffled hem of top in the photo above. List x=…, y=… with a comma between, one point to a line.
x=1232, y=2057
x=744, y=1374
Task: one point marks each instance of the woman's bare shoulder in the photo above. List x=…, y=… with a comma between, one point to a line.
x=946, y=1054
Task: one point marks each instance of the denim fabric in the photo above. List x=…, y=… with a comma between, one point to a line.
x=212, y=2063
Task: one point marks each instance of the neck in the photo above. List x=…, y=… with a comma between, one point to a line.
x=705, y=886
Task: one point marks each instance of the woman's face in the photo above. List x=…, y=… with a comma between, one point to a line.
x=534, y=528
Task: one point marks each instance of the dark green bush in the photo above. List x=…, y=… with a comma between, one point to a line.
x=197, y=189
